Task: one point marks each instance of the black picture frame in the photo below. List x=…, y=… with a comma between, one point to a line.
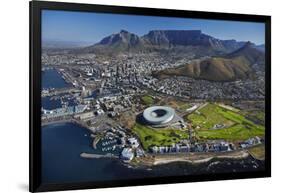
x=35, y=184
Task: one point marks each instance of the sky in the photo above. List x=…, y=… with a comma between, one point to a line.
x=89, y=28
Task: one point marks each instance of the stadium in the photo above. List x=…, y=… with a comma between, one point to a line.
x=160, y=116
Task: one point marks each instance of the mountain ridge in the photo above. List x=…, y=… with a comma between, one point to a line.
x=158, y=40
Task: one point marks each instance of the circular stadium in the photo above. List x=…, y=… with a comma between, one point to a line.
x=157, y=115
x=160, y=116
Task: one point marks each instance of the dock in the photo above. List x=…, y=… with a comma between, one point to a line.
x=98, y=156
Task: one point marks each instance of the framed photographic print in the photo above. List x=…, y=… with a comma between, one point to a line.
x=123, y=96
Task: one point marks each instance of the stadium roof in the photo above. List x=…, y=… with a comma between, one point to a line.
x=158, y=114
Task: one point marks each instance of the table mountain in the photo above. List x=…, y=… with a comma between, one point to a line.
x=163, y=41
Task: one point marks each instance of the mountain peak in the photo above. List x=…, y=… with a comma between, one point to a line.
x=245, y=48
x=249, y=44
x=122, y=31
x=250, y=52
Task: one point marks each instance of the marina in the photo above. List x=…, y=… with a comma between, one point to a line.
x=63, y=144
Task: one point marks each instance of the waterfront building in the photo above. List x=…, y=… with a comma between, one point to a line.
x=133, y=142
x=84, y=116
x=65, y=111
x=127, y=154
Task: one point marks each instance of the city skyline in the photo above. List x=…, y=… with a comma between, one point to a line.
x=70, y=26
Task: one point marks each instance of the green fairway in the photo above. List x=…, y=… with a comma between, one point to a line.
x=158, y=137
x=236, y=126
x=233, y=133
x=208, y=116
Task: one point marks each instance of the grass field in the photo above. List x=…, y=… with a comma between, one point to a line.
x=147, y=100
x=237, y=127
x=233, y=133
x=208, y=116
x=159, y=137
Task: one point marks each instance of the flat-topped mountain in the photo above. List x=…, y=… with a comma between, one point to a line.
x=182, y=38
x=163, y=40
